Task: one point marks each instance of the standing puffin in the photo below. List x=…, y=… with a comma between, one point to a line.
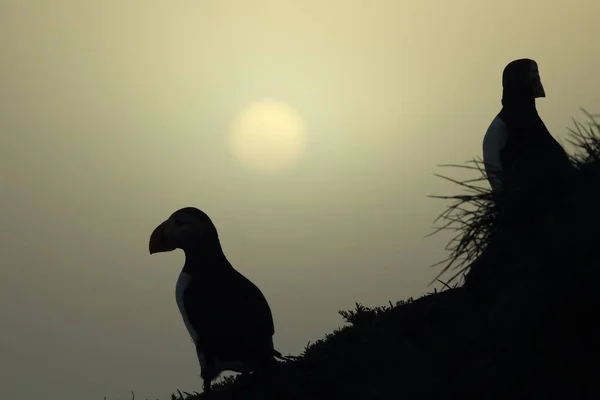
x=517, y=144
x=226, y=315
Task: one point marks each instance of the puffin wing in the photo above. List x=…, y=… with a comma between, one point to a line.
x=533, y=152
x=231, y=316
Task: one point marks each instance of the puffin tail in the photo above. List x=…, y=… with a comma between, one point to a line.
x=278, y=356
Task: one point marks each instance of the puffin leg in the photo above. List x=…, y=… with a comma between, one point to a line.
x=206, y=386
x=206, y=372
x=207, y=381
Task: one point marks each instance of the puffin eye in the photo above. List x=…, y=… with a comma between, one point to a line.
x=178, y=222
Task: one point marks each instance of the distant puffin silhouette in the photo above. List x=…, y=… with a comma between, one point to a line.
x=517, y=145
x=226, y=315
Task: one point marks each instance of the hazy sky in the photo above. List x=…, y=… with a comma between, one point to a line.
x=113, y=114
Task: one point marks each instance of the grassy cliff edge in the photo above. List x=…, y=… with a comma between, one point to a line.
x=524, y=328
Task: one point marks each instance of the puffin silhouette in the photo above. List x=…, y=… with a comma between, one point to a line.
x=226, y=315
x=517, y=144
x=518, y=151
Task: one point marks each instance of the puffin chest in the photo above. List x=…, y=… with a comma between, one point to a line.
x=183, y=282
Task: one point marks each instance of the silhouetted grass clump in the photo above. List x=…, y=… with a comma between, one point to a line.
x=521, y=326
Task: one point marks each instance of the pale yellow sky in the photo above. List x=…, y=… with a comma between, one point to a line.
x=115, y=113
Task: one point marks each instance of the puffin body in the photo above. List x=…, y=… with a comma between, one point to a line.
x=226, y=315
x=517, y=144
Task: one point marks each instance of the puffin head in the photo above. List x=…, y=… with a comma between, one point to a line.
x=185, y=229
x=521, y=78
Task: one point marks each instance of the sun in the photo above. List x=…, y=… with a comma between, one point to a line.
x=268, y=135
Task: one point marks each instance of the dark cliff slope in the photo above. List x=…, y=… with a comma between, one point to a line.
x=524, y=325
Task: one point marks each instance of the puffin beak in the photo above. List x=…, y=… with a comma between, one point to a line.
x=538, y=88
x=157, y=243
x=540, y=92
